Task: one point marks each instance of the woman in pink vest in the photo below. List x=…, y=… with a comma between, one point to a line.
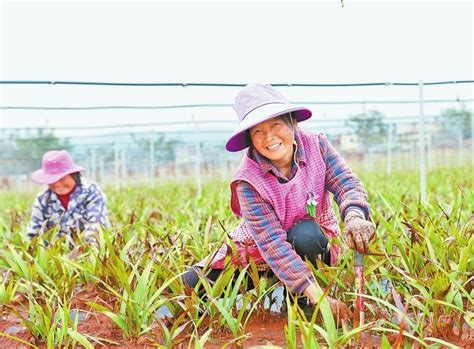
x=281, y=189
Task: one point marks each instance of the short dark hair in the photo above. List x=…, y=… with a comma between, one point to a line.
x=288, y=119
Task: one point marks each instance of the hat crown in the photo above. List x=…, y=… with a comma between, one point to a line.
x=255, y=104
x=254, y=96
x=57, y=161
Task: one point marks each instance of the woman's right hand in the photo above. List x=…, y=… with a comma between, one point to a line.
x=340, y=310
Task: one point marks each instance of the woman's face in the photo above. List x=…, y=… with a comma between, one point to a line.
x=64, y=186
x=274, y=140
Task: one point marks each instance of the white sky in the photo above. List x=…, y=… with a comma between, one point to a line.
x=287, y=42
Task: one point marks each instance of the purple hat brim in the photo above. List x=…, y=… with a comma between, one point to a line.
x=41, y=177
x=240, y=139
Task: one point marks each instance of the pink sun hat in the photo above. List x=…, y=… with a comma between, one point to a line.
x=257, y=103
x=55, y=165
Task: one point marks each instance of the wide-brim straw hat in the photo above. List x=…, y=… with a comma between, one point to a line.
x=257, y=103
x=55, y=165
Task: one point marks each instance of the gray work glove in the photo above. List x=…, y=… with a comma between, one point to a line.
x=358, y=231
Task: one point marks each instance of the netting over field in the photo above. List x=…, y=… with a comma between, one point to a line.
x=123, y=144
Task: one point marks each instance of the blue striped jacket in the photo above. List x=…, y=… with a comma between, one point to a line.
x=86, y=212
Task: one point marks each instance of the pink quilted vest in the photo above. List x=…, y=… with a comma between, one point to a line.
x=289, y=199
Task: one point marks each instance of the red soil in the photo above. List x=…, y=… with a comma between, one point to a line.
x=260, y=330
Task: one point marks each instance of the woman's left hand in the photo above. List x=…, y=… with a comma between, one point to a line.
x=340, y=311
x=358, y=232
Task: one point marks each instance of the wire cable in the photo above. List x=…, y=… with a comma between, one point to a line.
x=205, y=84
x=221, y=105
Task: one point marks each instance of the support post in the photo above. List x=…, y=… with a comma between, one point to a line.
x=389, y=149
x=152, y=161
x=123, y=167
x=93, y=165
x=198, y=157
x=101, y=171
x=472, y=137
x=117, y=166
x=460, y=148
x=422, y=146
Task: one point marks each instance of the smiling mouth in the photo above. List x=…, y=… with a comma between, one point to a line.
x=273, y=147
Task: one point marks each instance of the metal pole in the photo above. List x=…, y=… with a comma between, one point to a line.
x=399, y=157
x=371, y=159
x=445, y=158
x=422, y=147
x=93, y=165
x=366, y=159
x=389, y=149
x=198, y=157
x=158, y=171
x=89, y=166
x=101, y=170
x=472, y=137
x=152, y=161
x=435, y=153
x=430, y=153
x=221, y=165
x=123, y=167
x=117, y=164
x=460, y=148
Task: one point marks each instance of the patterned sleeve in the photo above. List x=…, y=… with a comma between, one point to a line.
x=37, y=219
x=96, y=214
x=347, y=188
x=270, y=238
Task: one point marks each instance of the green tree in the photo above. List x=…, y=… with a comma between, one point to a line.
x=164, y=148
x=27, y=150
x=369, y=127
x=456, y=120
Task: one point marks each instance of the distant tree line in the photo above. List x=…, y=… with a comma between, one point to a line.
x=371, y=127
x=22, y=152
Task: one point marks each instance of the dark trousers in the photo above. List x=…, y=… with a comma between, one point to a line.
x=306, y=238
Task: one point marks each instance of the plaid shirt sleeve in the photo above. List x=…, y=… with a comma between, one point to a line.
x=347, y=188
x=270, y=238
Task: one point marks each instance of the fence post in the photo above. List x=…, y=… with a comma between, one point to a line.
x=101, y=170
x=198, y=157
x=430, y=153
x=93, y=165
x=422, y=146
x=399, y=157
x=152, y=160
x=117, y=167
x=158, y=170
x=389, y=149
x=472, y=137
x=460, y=148
x=123, y=168
x=371, y=159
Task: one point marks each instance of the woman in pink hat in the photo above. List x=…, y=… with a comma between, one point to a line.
x=281, y=189
x=71, y=203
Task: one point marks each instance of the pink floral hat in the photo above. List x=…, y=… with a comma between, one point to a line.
x=56, y=164
x=257, y=103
